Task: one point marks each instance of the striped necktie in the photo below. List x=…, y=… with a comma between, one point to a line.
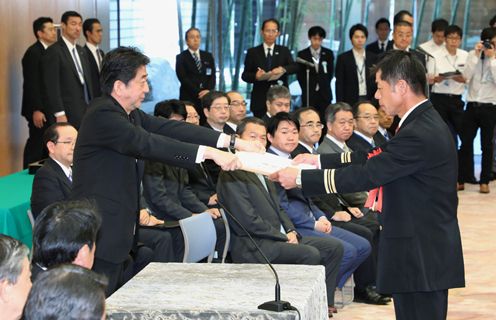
x=197, y=62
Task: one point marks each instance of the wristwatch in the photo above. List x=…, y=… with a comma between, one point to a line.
x=232, y=142
x=298, y=179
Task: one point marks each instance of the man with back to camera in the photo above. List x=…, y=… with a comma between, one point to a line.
x=420, y=252
x=383, y=44
x=195, y=70
x=268, y=57
x=113, y=141
x=33, y=103
x=67, y=75
x=320, y=76
x=92, y=31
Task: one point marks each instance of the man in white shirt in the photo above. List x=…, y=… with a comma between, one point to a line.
x=438, y=28
x=480, y=72
x=449, y=83
x=93, y=31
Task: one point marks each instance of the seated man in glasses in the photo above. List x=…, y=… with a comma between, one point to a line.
x=238, y=109
x=365, y=134
x=278, y=100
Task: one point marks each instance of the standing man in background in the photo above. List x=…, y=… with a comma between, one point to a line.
x=383, y=44
x=195, y=70
x=263, y=60
x=319, y=95
x=438, y=28
x=66, y=74
x=92, y=30
x=33, y=106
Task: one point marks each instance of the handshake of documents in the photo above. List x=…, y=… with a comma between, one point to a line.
x=266, y=163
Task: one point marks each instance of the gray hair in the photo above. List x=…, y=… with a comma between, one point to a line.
x=12, y=253
x=332, y=109
x=277, y=92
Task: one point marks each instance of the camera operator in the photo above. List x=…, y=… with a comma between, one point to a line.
x=480, y=72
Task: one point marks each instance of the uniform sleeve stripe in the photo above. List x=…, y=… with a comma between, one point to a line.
x=333, y=184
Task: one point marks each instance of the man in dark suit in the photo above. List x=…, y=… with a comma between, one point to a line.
x=278, y=100
x=383, y=44
x=366, y=135
x=53, y=181
x=267, y=59
x=253, y=200
x=195, y=70
x=67, y=75
x=92, y=30
x=353, y=80
x=320, y=94
x=33, y=105
x=114, y=139
x=420, y=252
x=402, y=40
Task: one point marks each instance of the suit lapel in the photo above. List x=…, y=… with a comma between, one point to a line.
x=415, y=113
x=58, y=170
x=69, y=59
x=267, y=194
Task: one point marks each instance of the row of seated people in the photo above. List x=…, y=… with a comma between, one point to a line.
x=172, y=194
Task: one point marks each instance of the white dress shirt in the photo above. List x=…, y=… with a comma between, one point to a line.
x=96, y=54
x=361, y=74
x=481, y=78
x=445, y=62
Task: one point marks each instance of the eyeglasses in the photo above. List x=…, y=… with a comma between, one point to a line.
x=221, y=108
x=313, y=125
x=271, y=31
x=71, y=143
x=238, y=103
x=368, y=118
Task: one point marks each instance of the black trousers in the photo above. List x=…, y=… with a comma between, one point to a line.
x=477, y=116
x=34, y=150
x=431, y=305
x=450, y=108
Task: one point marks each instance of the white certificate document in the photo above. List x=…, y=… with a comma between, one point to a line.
x=266, y=163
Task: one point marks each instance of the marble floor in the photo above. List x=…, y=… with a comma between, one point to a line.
x=477, y=219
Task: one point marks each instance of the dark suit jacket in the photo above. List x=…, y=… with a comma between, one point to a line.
x=318, y=99
x=356, y=142
x=374, y=47
x=255, y=58
x=257, y=210
x=210, y=166
x=108, y=165
x=32, y=94
x=167, y=192
x=62, y=84
x=299, y=150
x=199, y=182
x=50, y=185
x=420, y=247
x=192, y=81
x=347, y=77
x=95, y=73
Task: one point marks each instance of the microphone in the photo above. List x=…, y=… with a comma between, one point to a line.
x=276, y=305
x=305, y=62
x=324, y=65
x=419, y=49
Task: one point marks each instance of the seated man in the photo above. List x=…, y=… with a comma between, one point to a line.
x=167, y=191
x=53, y=181
x=308, y=219
x=67, y=292
x=366, y=136
x=278, y=100
x=237, y=112
x=65, y=232
x=254, y=201
x=15, y=277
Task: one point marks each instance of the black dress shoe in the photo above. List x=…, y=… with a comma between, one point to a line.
x=370, y=296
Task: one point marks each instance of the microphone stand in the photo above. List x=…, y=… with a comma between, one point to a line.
x=308, y=87
x=277, y=304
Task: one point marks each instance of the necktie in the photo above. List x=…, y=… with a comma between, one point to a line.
x=70, y=175
x=81, y=75
x=197, y=62
x=269, y=60
x=314, y=151
x=382, y=46
x=99, y=55
x=387, y=135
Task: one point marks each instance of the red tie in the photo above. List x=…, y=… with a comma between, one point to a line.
x=374, y=200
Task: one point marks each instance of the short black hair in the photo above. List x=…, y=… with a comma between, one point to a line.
x=439, y=25
x=167, y=108
x=52, y=132
x=211, y=96
x=67, y=292
x=381, y=21
x=356, y=107
x=316, y=31
x=189, y=30
x=453, y=29
x=66, y=15
x=332, y=109
x=400, y=15
x=299, y=111
x=276, y=120
x=39, y=24
x=358, y=27
x=488, y=33
x=492, y=22
x=401, y=65
x=88, y=25
x=270, y=20
x=120, y=64
x=62, y=229
x=240, y=129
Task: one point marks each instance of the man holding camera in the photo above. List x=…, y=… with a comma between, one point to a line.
x=480, y=72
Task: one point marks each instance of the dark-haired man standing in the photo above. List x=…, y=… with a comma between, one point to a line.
x=267, y=58
x=66, y=74
x=420, y=252
x=383, y=44
x=319, y=95
x=92, y=30
x=33, y=105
